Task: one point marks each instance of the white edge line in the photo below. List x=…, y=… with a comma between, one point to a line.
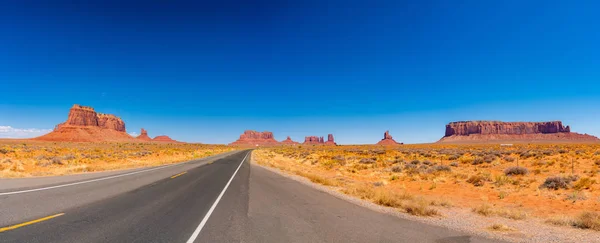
x=84, y=182
x=212, y=208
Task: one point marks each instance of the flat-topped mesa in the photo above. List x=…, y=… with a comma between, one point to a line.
x=164, y=138
x=289, y=141
x=312, y=140
x=478, y=131
x=330, y=140
x=254, y=138
x=387, y=139
x=496, y=127
x=144, y=135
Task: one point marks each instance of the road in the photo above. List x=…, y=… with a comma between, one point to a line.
x=219, y=199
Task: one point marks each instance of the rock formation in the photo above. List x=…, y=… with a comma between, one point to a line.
x=387, y=139
x=164, y=138
x=330, y=140
x=85, y=125
x=319, y=140
x=289, y=141
x=482, y=131
x=254, y=138
x=144, y=135
x=312, y=140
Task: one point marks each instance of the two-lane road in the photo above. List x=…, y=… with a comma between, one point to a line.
x=219, y=199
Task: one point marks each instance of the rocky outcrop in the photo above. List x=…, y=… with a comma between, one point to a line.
x=482, y=131
x=289, y=141
x=316, y=140
x=164, y=138
x=312, y=140
x=144, y=135
x=254, y=138
x=387, y=139
x=84, y=124
x=330, y=140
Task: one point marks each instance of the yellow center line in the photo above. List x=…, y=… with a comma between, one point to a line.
x=178, y=174
x=30, y=222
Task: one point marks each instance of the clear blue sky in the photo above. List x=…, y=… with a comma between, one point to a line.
x=204, y=72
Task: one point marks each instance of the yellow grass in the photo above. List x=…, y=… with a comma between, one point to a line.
x=516, y=182
x=23, y=158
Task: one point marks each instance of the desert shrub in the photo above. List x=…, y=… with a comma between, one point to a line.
x=454, y=157
x=597, y=162
x=489, y=158
x=454, y=164
x=415, y=162
x=440, y=168
x=410, y=167
x=500, y=227
x=477, y=161
x=588, y=220
x=584, y=183
x=397, y=169
x=476, y=180
x=484, y=209
x=509, y=158
x=516, y=170
x=4, y=151
x=427, y=162
x=556, y=182
x=367, y=161
x=419, y=209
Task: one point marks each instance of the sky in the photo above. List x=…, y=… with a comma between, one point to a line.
x=203, y=71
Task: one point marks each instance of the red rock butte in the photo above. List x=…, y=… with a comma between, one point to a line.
x=144, y=136
x=289, y=141
x=164, y=138
x=387, y=139
x=84, y=124
x=493, y=131
x=315, y=140
x=254, y=138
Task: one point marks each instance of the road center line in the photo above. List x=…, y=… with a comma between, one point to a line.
x=30, y=222
x=94, y=180
x=212, y=208
x=178, y=174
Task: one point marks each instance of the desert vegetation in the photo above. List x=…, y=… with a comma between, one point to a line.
x=27, y=158
x=554, y=183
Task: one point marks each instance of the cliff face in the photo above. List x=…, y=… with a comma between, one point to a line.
x=475, y=131
x=387, y=139
x=253, y=138
x=496, y=127
x=111, y=122
x=313, y=140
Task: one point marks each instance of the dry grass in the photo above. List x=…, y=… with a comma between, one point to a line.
x=521, y=181
x=23, y=158
x=500, y=227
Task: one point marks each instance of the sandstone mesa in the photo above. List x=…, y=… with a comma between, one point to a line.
x=488, y=131
x=84, y=124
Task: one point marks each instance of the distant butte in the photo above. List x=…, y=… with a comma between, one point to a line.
x=144, y=136
x=315, y=140
x=84, y=124
x=492, y=131
x=254, y=138
x=289, y=141
x=387, y=139
x=164, y=138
